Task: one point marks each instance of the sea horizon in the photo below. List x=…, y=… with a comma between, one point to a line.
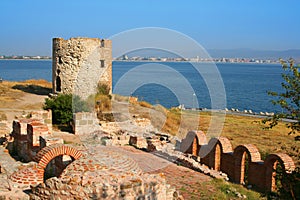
x=246, y=88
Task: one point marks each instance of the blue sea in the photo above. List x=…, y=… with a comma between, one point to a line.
x=246, y=85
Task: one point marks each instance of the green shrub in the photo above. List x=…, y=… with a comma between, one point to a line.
x=62, y=108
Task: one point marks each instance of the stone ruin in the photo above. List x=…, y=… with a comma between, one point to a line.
x=107, y=175
x=215, y=158
x=79, y=64
x=110, y=174
x=32, y=134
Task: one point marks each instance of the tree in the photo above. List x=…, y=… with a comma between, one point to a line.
x=63, y=107
x=289, y=100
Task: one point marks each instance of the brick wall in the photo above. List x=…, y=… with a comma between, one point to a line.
x=26, y=138
x=34, y=174
x=44, y=116
x=218, y=154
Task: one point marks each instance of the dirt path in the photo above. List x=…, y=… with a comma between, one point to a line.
x=15, y=102
x=189, y=183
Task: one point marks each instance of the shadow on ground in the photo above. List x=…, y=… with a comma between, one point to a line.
x=33, y=89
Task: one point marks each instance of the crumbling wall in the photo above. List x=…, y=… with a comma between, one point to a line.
x=30, y=135
x=79, y=64
x=44, y=116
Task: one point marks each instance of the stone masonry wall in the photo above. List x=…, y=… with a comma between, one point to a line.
x=85, y=123
x=79, y=64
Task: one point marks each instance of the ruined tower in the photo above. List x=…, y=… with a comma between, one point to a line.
x=79, y=64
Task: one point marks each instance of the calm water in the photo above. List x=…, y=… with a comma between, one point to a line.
x=245, y=84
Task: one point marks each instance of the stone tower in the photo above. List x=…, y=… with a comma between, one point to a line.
x=79, y=64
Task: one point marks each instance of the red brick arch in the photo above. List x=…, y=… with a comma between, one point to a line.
x=217, y=146
x=35, y=174
x=271, y=162
x=240, y=159
x=48, y=153
x=190, y=144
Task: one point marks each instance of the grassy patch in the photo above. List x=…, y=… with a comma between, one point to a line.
x=227, y=190
x=249, y=130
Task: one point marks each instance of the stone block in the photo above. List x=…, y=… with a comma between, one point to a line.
x=82, y=122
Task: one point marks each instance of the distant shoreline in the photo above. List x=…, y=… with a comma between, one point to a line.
x=31, y=59
x=173, y=61
x=156, y=61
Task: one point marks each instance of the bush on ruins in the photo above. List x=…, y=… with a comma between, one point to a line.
x=63, y=107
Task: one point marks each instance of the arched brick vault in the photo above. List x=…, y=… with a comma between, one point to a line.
x=35, y=173
x=221, y=143
x=214, y=150
x=250, y=149
x=240, y=159
x=218, y=154
x=45, y=155
x=271, y=162
x=187, y=143
x=224, y=143
x=286, y=161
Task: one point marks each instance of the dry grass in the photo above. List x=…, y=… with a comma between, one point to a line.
x=250, y=130
x=120, y=98
x=238, y=129
x=102, y=103
x=145, y=104
x=242, y=130
x=27, y=95
x=172, y=122
x=3, y=116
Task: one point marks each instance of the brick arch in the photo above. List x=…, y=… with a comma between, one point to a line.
x=240, y=159
x=216, y=147
x=48, y=153
x=190, y=144
x=35, y=173
x=271, y=162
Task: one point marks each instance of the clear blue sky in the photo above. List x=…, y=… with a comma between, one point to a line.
x=28, y=26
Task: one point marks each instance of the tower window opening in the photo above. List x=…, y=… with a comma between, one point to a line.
x=102, y=63
x=58, y=84
x=60, y=60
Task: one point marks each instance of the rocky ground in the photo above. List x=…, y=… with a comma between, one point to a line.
x=191, y=184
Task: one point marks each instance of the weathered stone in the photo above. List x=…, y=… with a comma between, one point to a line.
x=79, y=70
x=63, y=192
x=46, y=192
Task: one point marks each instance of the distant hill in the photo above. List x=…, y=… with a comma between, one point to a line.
x=259, y=54
x=224, y=53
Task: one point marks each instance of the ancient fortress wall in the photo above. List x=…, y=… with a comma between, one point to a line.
x=218, y=154
x=79, y=64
